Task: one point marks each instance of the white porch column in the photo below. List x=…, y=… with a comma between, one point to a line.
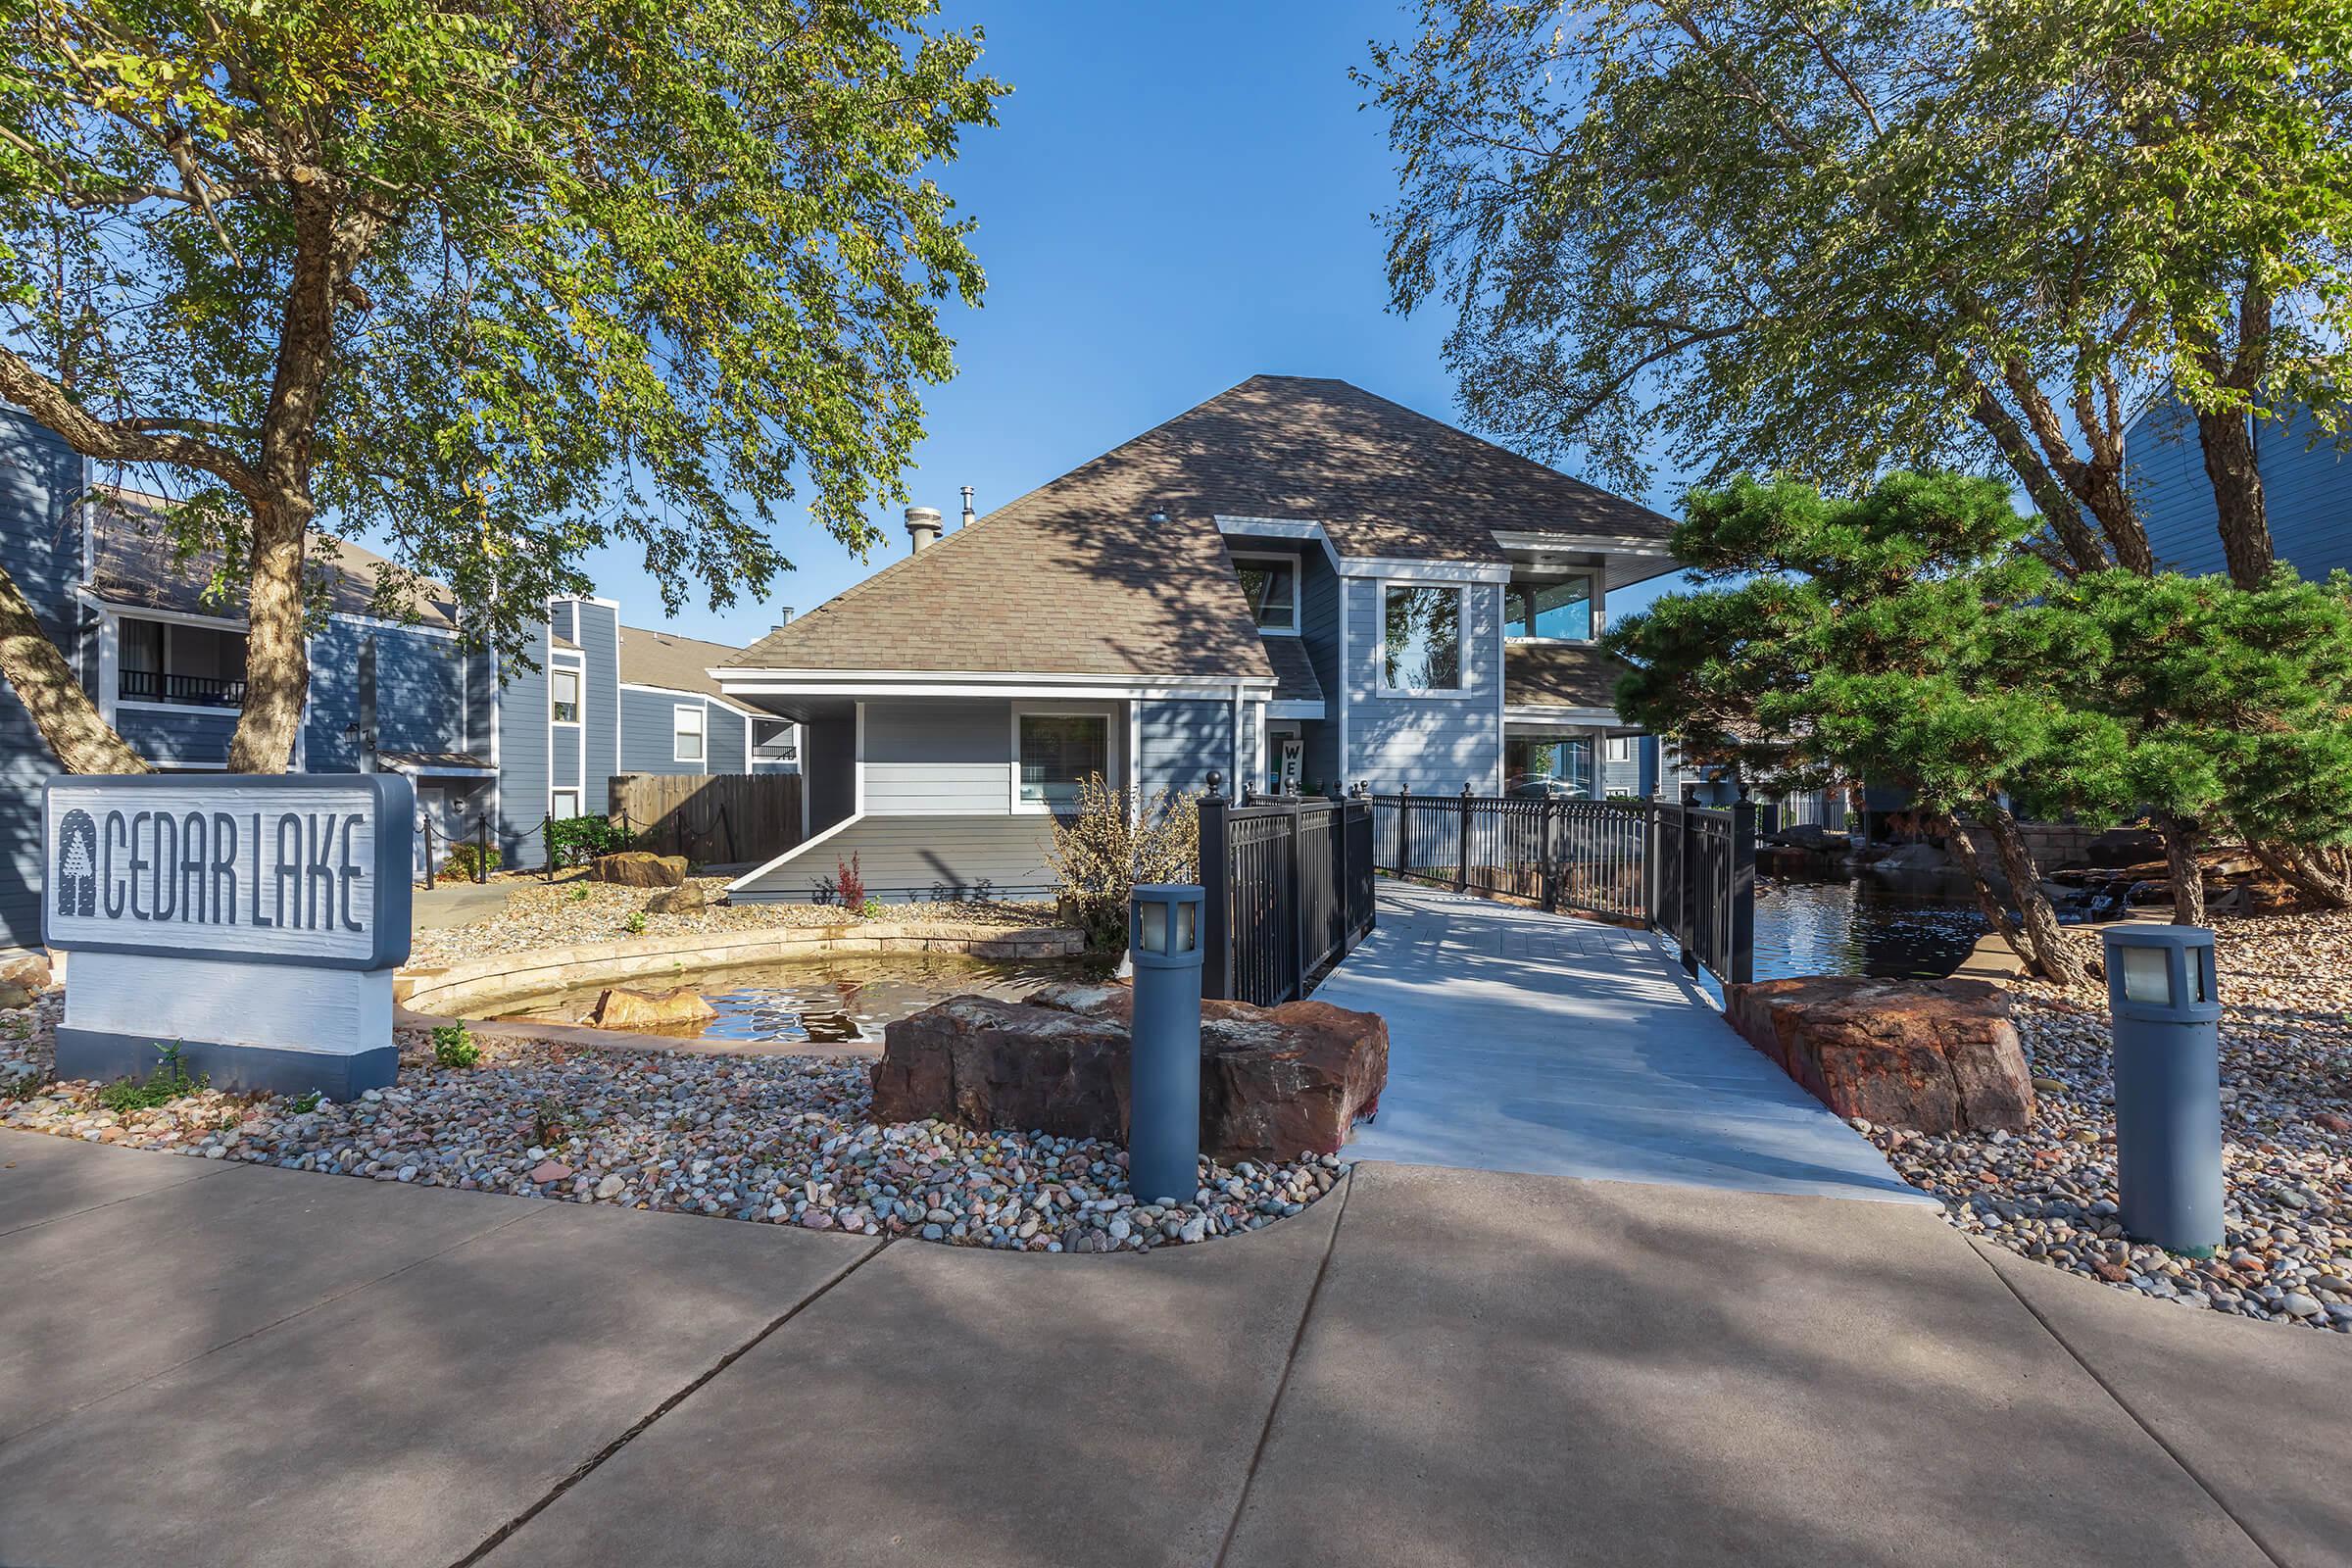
x=1598, y=787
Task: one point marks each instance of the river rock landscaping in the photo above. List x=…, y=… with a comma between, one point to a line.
x=776, y=1140
x=575, y=909
x=2049, y=1193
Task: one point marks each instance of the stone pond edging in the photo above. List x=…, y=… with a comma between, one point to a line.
x=481, y=985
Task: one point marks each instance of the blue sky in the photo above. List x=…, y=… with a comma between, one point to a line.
x=1178, y=197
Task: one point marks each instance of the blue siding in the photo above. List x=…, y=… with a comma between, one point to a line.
x=600, y=636
x=1183, y=740
x=522, y=755
x=41, y=543
x=419, y=695
x=1433, y=744
x=178, y=737
x=649, y=734
x=1319, y=599
x=2307, y=492
x=728, y=740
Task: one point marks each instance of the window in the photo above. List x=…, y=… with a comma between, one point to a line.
x=564, y=696
x=1538, y=765
x=166, y=663
x=1621, y=748
x=1058, y=752
x=1561, y=609
x=563, y=805
x=686, y=732
x=1422, y=641
x=1271, y=585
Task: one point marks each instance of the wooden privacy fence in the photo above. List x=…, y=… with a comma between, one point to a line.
x=1286, y=893
x=1687, y=870
x=717, y=818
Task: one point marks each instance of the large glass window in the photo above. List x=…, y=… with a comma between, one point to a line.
x=1058, y=752
x=1422, y=640
x=1561, y=607
x=564, y=696
x=1548, y=764
x=1271, y=585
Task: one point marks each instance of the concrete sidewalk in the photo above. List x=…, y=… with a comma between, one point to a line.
x=1520, y=1041
x=248, y=1366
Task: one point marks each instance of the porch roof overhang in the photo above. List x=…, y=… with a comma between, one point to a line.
x=794, y=692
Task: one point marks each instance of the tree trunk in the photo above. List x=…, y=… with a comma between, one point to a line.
x=1997, y=915
x=82, y=739
x=2227, y=436
x=2038, y=936
x=2307, y=874
x=278, y=663
x=2187, y=876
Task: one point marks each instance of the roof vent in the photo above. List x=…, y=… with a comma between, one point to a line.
x=970, y=516
x=922, y=527
x=783, y=618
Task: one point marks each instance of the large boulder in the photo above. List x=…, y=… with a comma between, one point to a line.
x=639, y=868
x=687, y=898
x=1939, y=1055
x=1276, y=1083
x=621, y=1007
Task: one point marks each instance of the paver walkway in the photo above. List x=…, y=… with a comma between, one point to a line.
x=1522, y=1041
x=208, y=1363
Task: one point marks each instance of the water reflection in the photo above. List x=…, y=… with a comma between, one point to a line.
x=1861, y=927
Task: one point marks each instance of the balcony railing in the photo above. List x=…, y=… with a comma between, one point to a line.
x=196, y=691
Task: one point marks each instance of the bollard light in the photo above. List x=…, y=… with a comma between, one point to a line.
x=1163, y=1100
x=2166, y=1013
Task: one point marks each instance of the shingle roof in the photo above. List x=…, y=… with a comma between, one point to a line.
x=650, y=657
x=1294, y=672
x=132, y=563
x=1559, y=675
x=1074, y=577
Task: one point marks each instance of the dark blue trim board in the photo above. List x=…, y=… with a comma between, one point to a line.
x=98, y=1055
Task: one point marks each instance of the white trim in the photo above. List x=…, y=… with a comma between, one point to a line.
x=956, y=680
x=858, y=769
x=1602, y=543
x=1502, y=685
x=1018, y=806
x=136, y=704
x=1282, y=528
x=579, y=799
x=744, y=882
x=1234, y=783
x=1135, y=763
x=1347, y=687
x=351, y=617
x=681, y=691
x=1297, y=572
x=579, y=704
x=1461, y=691
x=193, y=617
x=1527, y=715
x=702, y=734
x=109, y=660
x=1431, y=571
x=1016, y=691
x=438, y=771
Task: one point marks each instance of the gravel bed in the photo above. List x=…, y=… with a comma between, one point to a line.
x=776, y=1140
x=544, y=914
x=2049, y=1194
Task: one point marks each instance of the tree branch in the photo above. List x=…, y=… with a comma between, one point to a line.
x=116, y=441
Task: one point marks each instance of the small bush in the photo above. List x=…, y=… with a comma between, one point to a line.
x=849, y=883
x=551, y=1122
x=577, y=840
x=454, y=1045
x=635, y=923
x=168, y=1082
x=303, y=1105
x=469, y=859
x=873, y=909
x=1101, y=853
x=579, y=895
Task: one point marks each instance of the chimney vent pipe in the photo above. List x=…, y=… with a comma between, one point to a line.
x=922, y=527
x=970, y=516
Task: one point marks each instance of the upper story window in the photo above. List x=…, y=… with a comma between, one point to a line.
x=1559, y=609
x=1271, y=585
x=686, y=732
x=162, y=662
x=1057, y=751
x=564, y=695
x=1421, y=638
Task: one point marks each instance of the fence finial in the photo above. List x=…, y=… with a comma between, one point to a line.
x=1216, y=784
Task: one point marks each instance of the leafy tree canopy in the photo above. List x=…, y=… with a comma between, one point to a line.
x=493, y=284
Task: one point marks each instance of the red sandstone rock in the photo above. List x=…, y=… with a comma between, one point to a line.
x=621, y=1007
x=639, y=868
x=1276, y=1083
x=1937, y=1056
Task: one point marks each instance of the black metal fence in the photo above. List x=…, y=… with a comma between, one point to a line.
x=1687, y=870
x=1288, y=888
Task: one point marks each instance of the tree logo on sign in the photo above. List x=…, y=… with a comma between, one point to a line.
x=76, y=877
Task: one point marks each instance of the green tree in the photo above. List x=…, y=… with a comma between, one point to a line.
x=1891, y=637
x=1841, y=239
x=491, y=284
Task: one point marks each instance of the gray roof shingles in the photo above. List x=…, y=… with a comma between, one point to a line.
x=1075, y=577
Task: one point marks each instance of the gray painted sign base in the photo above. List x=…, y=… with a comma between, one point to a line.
x=244, y=1069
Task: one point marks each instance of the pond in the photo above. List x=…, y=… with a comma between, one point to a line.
x=844, y=1001
x=1860, y=926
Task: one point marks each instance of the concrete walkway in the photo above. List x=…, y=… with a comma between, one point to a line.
x=210, y=1364
x=1521, y=1041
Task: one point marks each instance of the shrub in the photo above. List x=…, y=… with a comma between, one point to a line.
x=551, y=1122
x=873, y=909
x=1103, y=851
x=454, y=1045
x=168, y=1082
x=470, y=860
x=635, y=923
x=577, y=840
x=849, y=883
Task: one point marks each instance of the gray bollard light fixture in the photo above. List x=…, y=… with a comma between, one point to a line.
x=2166, y=1015
x=1163, y=1111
